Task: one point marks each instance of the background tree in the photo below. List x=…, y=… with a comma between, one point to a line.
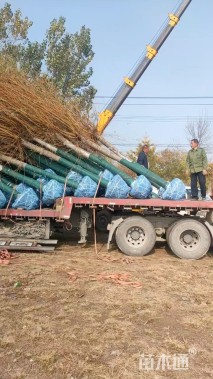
x=62, y=57
x=200, y=129
x=13, y=32
x=133, y=154
x=170, y=164
x=67, y=59
x=167, y=163
x=210, y=178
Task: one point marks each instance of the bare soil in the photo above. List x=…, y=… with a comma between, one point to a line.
x=85, y=313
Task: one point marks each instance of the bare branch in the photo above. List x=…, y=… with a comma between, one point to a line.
x=200, y=129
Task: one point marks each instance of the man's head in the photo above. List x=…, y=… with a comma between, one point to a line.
x=194, y=143
x=145, y=149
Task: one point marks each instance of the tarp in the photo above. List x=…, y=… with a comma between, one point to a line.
x=141, y=188
x=175, y=190
x=28, y=199
x=76, y=177
x=52, y=190
x=21, y=187
x=3, y=200
x=87, y=188
x=117, y=188
x=106, y=174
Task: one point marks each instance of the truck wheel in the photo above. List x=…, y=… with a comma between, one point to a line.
x=135, y=236
x=168, y=230
x=189, y=239
x=103, y=218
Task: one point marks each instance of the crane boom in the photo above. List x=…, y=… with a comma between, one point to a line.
x=129, y=82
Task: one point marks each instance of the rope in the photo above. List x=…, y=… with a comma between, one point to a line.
x=93, y=213
x=40, y=203
x=11, y=196
x=63, y=196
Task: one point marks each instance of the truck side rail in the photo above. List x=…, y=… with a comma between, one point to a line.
x=63, y=207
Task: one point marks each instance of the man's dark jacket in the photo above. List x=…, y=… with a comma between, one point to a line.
x=142, y=159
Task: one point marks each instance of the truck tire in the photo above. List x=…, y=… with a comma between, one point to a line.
x=103, y=218
x=135, y=236
x=168, y=230
x=189, y=239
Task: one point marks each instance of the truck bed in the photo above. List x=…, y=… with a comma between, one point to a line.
x=63, y=207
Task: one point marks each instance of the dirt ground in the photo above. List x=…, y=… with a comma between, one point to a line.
x=86, y=314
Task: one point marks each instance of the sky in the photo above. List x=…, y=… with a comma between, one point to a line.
x=120, y=31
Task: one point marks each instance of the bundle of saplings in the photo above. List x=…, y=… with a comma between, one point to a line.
x=50, y=149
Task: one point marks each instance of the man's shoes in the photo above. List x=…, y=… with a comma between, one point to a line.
x=193, y=198
x=203, y=198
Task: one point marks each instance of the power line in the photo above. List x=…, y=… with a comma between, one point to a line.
x=157, y=145
x=160, y=104
x=158, y=121
x=158, y=97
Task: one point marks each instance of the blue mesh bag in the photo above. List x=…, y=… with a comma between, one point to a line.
x=106, y=174
x=161, y=192
x=20, y=188
x=27, y=200
x=3, y=200
x=117, y=188
x=52, y=191
x=141, y=188
x=86, y=188
x=42, y=181
x=75, y=176
x=175, y=190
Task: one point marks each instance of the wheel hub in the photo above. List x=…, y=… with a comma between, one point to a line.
x=189, y=239
x=135, y=236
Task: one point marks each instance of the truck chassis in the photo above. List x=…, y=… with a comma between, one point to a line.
x=186, y=225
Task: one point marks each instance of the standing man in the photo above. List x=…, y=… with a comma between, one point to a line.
x=142, y=157
x=197, y=165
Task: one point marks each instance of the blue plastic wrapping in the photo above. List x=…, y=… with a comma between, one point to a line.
x=76, y=177
x=87, y=188
x=106, y=174
x=28, y=199
x=141, y=188
x=161, y=192
x=21, y=187
x=42, y=181
x=175, y=190
x=117, y=188
x=52, y=190
x=3, y=200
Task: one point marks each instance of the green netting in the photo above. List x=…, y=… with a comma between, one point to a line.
x=112, y=168
x=78, y=161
